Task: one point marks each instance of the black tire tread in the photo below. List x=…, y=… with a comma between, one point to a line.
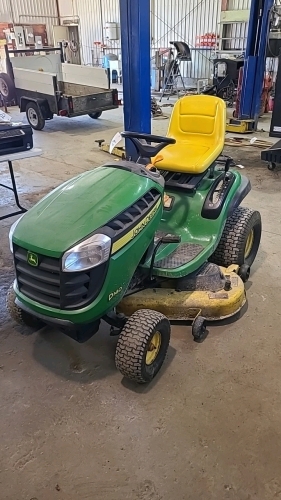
x=198, y=326
x=271, y=166
x=17, y=314
x=11, y=87
x=95, y=116
x=14, y=311
x=133, y=340
x=228, y=249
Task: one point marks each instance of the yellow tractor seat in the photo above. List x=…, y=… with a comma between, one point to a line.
x=198, y=125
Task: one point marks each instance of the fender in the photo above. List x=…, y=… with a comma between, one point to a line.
x=241, y=193
x=42, y=104
x=212, y=210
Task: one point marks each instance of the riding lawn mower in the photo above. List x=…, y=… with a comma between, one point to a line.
x=141, y=245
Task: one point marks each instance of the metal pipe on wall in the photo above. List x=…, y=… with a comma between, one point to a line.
x=101, y=19
x=58, y=10
x=33, y=16
x=12, y=12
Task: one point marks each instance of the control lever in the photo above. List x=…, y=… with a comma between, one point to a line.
x=228, y=164
x=227, y=161
x=226, y=177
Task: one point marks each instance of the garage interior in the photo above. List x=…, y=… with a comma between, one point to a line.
x=208, y=425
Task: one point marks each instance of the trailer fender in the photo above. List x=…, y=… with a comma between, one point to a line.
x=42, y=104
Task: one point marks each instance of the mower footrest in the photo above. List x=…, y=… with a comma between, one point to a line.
x=185, y=253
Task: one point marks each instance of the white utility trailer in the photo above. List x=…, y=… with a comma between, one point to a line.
x=45, y=86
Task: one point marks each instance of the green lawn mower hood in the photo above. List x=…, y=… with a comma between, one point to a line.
x=94, y=200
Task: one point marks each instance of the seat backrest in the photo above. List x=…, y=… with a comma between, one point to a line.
x=199, y=119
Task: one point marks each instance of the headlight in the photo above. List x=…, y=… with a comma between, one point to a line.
x=12, y=230
x=89, y=253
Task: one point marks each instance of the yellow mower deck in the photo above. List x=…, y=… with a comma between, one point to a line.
x=187, y=305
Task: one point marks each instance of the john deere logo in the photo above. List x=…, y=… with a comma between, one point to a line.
x=32, y=259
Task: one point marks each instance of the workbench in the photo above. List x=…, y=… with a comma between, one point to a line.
x=9, y=159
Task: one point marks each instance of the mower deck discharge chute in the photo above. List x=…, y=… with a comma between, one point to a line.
x=141, y=245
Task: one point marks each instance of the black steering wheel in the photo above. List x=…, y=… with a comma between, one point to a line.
x=143, y=146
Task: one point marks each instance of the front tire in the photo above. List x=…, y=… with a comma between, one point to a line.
x=34, y=116
x=240, y=239
x=17, y=314
x=142, y=345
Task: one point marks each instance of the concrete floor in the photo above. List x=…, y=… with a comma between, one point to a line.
x=207, y=428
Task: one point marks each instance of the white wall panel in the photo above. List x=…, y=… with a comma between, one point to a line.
x=171, y=20
x=89, y=15
x=5, y=11
x=181, y=20
x=30, y=11
x=238, y=4
x=237, y=34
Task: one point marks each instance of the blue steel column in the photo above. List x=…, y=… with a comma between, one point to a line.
x=255, y=59
x=249, y=69
x=261, y=61
x=135, y=43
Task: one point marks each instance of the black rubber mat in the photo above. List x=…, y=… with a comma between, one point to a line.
x=185, y=253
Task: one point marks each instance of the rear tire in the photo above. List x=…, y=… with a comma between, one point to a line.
x=142, y=345
x=17, y=314
x=34, y=116
x=240, y=239
x=95, y=116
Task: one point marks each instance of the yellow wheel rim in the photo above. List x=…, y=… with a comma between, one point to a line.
x=249, y=244
x=153, y=348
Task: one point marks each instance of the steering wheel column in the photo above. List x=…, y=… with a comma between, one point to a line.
x=145, y=149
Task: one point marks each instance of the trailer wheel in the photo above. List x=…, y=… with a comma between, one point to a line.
x=95, y=116
x=7, y=87
x=34, y=116
x=142, y=345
